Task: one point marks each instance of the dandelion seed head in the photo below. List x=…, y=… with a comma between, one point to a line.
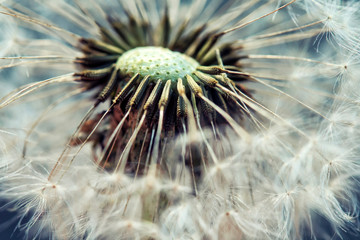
x=180, y=119
x=159, y=63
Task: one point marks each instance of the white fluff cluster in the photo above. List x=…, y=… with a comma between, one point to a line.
x=298, y=167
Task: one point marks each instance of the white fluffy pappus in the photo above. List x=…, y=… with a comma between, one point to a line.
x=260, y=141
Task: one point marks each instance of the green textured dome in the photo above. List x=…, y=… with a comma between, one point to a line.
x=158, y=62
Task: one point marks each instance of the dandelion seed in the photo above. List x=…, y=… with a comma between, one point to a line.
x=181, y=120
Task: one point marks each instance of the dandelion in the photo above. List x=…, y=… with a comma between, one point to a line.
x=180, y=119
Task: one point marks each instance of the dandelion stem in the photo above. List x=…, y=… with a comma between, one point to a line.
x=45, y=112
x=56, y=60
x=256, y=19
x=85, y=118
x=261, y=109
x=162, y=105
x=278, y=90
x=273, y=34
x=85, y=141
x=112, y=140
x=38, y=22
x=280, y=57
x=34, y=86
x=125, y=153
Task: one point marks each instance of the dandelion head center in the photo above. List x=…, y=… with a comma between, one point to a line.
x=157, y=62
